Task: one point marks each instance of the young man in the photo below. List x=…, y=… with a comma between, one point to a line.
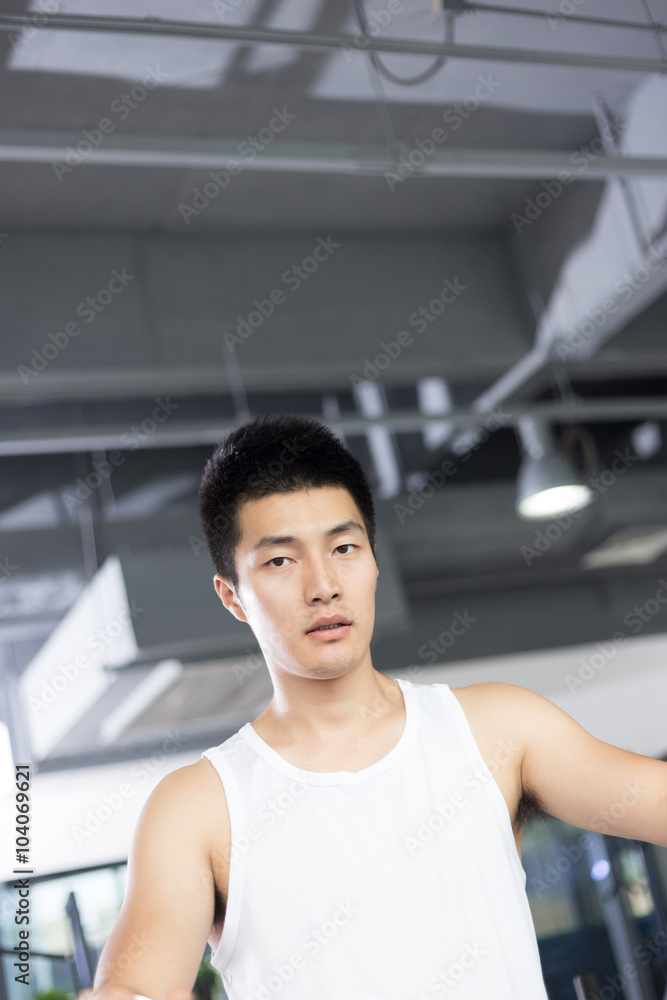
x=360, y=839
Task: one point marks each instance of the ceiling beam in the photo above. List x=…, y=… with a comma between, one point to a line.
x=199, y=432
x=67, y=150
x=196, y=381
x=309, y=40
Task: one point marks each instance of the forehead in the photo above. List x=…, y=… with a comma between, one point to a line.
x=305, y=514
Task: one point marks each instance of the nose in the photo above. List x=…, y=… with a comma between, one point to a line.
x=321, y=582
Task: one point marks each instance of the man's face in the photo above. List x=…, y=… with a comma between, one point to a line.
x=286, y=586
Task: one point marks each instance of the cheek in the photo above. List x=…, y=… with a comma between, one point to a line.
x=274, y=613
x=366, y=579
x=361, y=587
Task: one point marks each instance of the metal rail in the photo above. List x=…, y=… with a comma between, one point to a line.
x=314, y=41
x=197, y=432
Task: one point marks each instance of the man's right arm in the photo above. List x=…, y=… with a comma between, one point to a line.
x=158, y=940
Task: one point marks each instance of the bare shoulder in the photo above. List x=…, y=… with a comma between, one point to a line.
x=490, y=690
x=500, y=716
x=208, y=784
x=194, y=777
x=194, y=797
x=492, y=696
x=496, y=715
x=199, y=782
x=506, y=709
x=187, y=784
x=517, y=705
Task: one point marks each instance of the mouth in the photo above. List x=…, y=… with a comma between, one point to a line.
x=330, y=630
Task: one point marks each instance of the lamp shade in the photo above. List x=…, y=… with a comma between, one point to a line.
x=548, y=486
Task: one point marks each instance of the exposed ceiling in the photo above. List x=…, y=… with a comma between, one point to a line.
x=142, y=231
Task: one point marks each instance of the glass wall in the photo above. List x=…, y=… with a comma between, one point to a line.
x=598, y=906
x=98, y=893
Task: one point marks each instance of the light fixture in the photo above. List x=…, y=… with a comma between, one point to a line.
x=548, y=484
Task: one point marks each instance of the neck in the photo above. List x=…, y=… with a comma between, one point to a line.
x=331, y=711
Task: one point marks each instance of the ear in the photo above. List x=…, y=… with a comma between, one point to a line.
x=227, y=595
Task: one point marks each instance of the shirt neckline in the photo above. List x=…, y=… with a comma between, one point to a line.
x=272, y=757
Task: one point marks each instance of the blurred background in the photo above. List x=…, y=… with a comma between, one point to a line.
x=441, y=229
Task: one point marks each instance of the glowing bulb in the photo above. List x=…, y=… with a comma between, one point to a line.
x=554, y=501
x=600, y=870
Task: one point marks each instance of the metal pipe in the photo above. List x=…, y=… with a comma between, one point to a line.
x=311, y=41
x=145, y=151
x=194, y=433
x=537, y=358
x=608, y=129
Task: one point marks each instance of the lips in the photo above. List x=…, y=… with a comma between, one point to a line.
x=335, y=620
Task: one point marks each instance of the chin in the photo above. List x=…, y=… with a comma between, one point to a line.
x=328, y=668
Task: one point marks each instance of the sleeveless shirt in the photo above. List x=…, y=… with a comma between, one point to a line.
x=400, y=881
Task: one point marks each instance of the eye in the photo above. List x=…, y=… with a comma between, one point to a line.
x=345, y=545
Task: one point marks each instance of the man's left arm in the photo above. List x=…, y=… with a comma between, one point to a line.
x=581, y=779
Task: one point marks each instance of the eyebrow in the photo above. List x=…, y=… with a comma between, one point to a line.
x=337, y=529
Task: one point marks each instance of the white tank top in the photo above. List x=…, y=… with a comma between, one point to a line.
x=397, y=882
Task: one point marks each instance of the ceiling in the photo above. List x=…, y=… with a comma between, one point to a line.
x=162, y=172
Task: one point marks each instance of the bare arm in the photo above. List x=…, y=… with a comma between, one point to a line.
x=579, y=778
x=120, y=993
x=159, y=937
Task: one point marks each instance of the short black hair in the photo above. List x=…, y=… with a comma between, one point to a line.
x=274, y=453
